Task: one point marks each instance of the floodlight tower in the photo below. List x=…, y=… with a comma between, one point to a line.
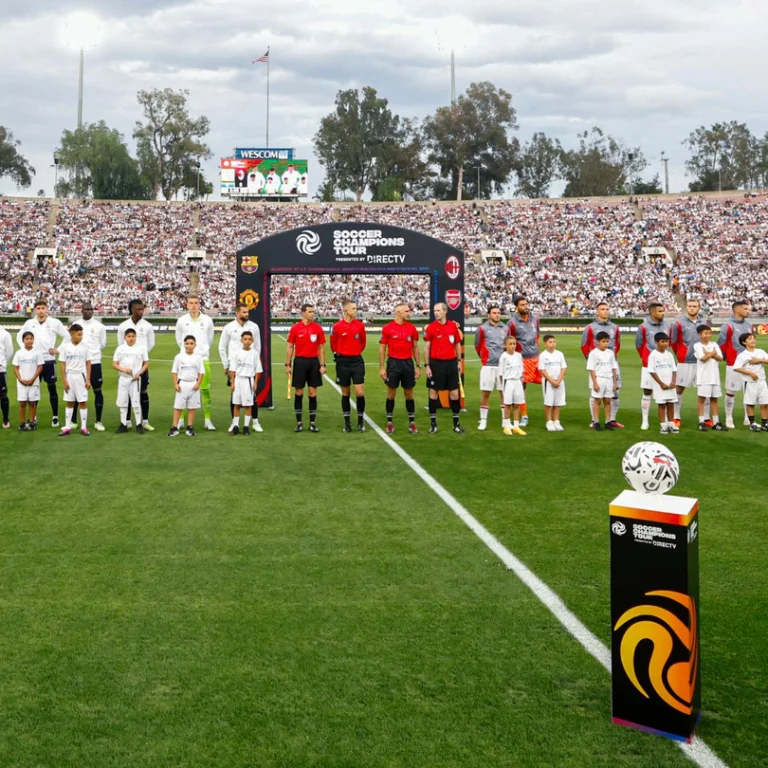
x=80, y=31
x=451, y=35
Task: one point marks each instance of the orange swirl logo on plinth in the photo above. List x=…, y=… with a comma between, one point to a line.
x=674, y=684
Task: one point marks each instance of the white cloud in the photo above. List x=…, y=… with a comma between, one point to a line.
x=648, y=72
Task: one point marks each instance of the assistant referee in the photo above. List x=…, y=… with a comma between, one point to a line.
x=348, y=341
x=307, y=339
x=442, y=350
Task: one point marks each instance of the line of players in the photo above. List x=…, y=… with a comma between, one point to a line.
x=692, y=361
x=399, y=366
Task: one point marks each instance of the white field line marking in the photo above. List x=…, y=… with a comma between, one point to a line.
x=697, y=751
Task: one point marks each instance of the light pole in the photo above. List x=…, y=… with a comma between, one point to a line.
x=453, y=34
x=55, y=167
x=80, y=31
x=665, y=162
x=477, y=168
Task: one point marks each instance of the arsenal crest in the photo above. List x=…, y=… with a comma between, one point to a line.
x=453, y=298
x=250, y=264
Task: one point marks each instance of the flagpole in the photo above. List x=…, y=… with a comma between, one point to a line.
x=267, y=98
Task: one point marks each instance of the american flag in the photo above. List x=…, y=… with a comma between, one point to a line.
x=262, y=59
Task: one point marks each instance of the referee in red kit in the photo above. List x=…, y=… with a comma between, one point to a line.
x=347, y=344
x=307, y=339
x=442, y=351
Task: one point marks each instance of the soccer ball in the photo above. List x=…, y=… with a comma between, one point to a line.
x=650, y=467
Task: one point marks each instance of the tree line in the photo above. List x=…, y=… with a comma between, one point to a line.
x=465, y=150
x=468, y=150
x=94, y=161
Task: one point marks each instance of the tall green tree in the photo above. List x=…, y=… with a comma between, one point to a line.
x=352, y=141
x=652, y=187
x=169, y=141
x=600, y=166
x=724, y=156
x=98, y=164
x=537, y=166
x=12, y=163
x=469, y=135
x=402, y=170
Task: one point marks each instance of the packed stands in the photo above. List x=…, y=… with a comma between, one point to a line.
x=564, y=255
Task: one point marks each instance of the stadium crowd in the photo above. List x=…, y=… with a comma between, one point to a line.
x=564, y=255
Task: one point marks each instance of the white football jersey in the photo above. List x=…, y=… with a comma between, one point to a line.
x=201, y=329
x=188, y=367
x=132, y=357
x=74, y=357
x=602, y=362
x=707, y=372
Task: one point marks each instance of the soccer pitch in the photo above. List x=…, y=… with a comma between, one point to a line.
x=307, y=600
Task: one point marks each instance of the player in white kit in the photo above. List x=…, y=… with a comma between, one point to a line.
x=511, y=372
x=708, y=356
x=75, y=364
x=6, y=356
x=243, y=374
x=131, y=361
x=95, y=336
x=662, y=369
x=188, y=372
x=28, y=363
x=603, y=379
x=553, y=369
x=200, y=326
x=145, y=339
x=750, y=364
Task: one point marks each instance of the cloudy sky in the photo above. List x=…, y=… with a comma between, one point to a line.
x=649, y=72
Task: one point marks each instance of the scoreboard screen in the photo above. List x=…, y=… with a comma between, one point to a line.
x=260, y=177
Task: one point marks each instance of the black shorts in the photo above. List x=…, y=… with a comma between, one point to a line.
x=350, y=369
x=400, y=373
x=445, y=375
x=144, y=382
x=96, y=376
x=3, y=385
x=306, y=372
x=49, y=372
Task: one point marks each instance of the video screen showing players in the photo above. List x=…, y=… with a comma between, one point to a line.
x=264, y=178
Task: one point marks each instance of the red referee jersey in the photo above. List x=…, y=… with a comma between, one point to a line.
x=348, y=338
x=398, y=339
x=306, y=338
x=442, y=338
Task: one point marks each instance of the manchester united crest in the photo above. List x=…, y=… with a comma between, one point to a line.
x=250, y=298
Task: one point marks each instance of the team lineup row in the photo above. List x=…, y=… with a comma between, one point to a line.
x=675, y=356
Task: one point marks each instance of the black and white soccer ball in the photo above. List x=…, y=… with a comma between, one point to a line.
x=650, y=467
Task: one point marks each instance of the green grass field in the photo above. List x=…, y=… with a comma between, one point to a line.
x=306, y=600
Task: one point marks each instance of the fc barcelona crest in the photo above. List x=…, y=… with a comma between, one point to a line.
x=250, y=264
x=250, y=298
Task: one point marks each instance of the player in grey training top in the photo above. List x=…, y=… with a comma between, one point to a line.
x=525, y=327
x=645, y=344
x=603, y=325
x=728, y=341
x=489, y=344
x=683, y=335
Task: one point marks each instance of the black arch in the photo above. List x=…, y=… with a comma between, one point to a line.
x=345, y=248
